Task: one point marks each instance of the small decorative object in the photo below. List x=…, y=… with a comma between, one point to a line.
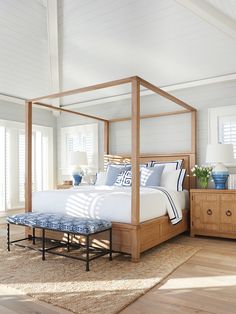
x=218, y=154
x=77, y=160
x=68, y=182
x=203, y=174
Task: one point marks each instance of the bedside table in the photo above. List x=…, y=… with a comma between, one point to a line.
x=213, y=213
x=64, y=186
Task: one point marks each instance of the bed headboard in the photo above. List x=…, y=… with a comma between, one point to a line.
x=188, y=163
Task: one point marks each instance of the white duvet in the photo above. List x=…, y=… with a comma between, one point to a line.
x=106, y=202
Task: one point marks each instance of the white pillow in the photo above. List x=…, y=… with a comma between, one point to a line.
x=169, y=165
x=173, y=180
x=101, y=178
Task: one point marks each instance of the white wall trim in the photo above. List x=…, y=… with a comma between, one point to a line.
x=168, y=88
x=13, y=99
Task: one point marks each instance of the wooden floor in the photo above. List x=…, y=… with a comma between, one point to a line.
x=204, y=284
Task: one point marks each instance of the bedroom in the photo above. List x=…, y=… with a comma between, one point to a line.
x=187, y=49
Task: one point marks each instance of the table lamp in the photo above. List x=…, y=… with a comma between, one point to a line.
x=219, y=154
x=78, y=159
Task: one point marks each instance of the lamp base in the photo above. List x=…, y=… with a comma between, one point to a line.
x=220, y=179
x=77, y=178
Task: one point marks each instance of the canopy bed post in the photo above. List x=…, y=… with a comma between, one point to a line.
x=135, y=200
x=28, y=156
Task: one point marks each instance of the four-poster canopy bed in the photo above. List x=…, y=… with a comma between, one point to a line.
x=134, y=237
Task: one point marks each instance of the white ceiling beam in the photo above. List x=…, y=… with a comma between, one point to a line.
x=52, y=27
x=145, y=92
x=211, y=15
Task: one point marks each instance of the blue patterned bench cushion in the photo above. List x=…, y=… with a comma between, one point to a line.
x=59, y=222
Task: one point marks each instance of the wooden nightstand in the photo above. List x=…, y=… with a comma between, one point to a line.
x=213, y=213
x=64, y=186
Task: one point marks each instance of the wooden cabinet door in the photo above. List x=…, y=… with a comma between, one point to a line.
x=206, y=214
x=227, y=213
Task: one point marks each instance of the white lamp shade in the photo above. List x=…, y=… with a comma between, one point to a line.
x=220, y=153
x=78, y=159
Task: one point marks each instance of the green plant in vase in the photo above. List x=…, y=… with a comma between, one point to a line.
x=202, y=173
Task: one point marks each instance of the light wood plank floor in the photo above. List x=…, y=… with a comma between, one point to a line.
x=204, y=284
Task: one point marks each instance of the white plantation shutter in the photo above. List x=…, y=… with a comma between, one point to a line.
x=8, y=179
x=2, y=168
x=21, y=167
x=79, y=138
x=12, y=162
x=227, y=131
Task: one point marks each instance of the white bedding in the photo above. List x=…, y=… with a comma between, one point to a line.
x=106, y=202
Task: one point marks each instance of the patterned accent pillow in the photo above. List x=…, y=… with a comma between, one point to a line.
x=124, y=178
x=113, y=171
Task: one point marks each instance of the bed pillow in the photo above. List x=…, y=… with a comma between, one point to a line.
x=151, y=176
x=173, y=180
x=169, y=165
x=101, y=178
x=124, y=178
x=113, y=171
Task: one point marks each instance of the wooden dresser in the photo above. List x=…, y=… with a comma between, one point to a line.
x=213, y=213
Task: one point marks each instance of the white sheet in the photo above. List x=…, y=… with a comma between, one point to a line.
x=106, y=202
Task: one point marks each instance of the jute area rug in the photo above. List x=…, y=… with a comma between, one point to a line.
x=107, y=288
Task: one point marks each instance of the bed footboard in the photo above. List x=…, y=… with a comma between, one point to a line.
x=134, y=240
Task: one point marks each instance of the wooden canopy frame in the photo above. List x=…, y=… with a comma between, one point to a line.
x=135, y=82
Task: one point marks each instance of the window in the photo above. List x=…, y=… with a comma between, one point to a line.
x=222, y=126
x=79, y=138
x=12, y=162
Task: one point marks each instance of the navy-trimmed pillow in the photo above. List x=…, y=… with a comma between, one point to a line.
x=124, y=178
x=169, y=165
x=173, y=180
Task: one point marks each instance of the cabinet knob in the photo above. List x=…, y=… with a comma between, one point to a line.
x=209, y=212
x=228, y=213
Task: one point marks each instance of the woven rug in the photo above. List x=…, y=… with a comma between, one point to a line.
x=107, y=288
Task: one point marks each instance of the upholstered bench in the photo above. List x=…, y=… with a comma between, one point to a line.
x=85, y=227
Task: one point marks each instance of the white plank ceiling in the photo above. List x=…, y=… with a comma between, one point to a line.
x=159, y=40
x=24, y=63
x=102, y=40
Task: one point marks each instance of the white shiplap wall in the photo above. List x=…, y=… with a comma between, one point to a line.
x=24, y=60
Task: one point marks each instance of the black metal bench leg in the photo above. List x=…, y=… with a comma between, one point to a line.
x=43, y=244
x=68, y=242
x=33, y=238
x=87, y=253
x=8, y=237
x=110, y=253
